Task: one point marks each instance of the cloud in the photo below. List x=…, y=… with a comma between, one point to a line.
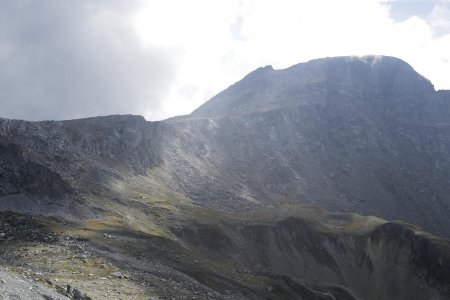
x=71, y=59
x=401, y=10
x=66, y=59
x=222, y=42
x=439, y=18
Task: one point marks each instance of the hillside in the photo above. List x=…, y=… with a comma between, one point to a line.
x=259, y=193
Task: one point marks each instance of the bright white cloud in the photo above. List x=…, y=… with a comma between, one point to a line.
x=221, y=41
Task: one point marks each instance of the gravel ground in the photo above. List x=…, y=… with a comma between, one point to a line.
x=16, y=287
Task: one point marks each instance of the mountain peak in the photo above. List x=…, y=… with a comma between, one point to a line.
x=318, y=82
x=367, y=60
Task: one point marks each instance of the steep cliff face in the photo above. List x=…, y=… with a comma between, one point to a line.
x=50, y=167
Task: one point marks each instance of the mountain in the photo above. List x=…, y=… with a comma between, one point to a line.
x=373, y=83
x=363, y=135
x=367, y=135
x=256, y=194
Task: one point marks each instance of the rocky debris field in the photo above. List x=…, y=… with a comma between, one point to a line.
x=16, y=287
x=103, y=266
x=246, y=256
x=23, y=228
x=64, y=265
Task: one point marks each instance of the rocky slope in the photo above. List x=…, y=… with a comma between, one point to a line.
x=15, y=287
x=364, y=135
x=296, y=253
x=220, y=203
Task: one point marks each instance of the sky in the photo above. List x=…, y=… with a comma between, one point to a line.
x=162, y=58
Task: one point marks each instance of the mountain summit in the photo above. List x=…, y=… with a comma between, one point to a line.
x=345, y=80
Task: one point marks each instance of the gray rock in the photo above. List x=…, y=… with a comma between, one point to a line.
x=15, y=286
x=367, y=135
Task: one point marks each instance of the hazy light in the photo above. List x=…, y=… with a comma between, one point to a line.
x=221, y=41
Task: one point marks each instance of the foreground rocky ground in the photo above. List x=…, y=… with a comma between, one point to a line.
x=64, y=264
x=16, y=287
x=238, y=256
x=106, y=266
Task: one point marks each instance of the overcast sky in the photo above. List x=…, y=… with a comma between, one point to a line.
x=161, y=58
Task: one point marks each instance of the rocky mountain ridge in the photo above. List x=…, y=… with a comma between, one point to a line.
x=356, y=135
